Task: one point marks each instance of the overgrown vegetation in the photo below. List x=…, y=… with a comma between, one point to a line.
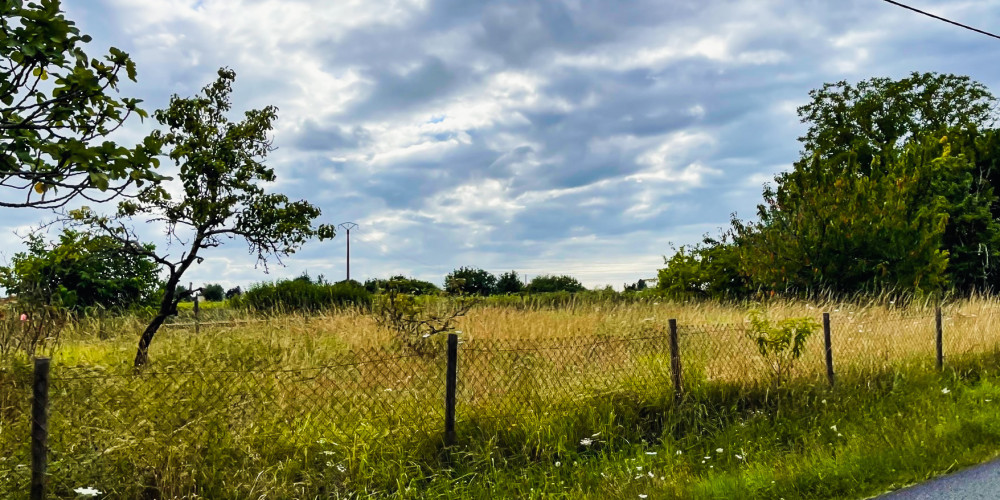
x=301, y=295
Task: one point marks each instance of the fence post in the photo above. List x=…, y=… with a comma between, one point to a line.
x=197, y=319
x=827, y=341
x=675, y=360
x=940, y=338
x=451, y=383
x=39, y=427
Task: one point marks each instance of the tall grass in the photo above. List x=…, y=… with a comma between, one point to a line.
x=553, y=403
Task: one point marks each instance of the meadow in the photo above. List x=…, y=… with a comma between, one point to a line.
x=570, y=401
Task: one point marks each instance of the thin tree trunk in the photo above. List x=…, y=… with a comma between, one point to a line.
x=142, y=354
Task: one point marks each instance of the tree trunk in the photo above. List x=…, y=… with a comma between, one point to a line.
x=142, y=354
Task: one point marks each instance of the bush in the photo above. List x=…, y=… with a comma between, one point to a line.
x=302, y=296
x=546, y=283
x=213, y=293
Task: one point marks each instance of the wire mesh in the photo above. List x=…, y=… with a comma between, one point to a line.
x=164, y=430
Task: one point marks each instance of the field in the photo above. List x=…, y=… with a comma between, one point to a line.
x=575, y=401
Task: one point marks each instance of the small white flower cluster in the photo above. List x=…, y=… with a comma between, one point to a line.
x=87, y=491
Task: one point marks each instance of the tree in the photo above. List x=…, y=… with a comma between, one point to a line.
x=213, y=292
x=546, y=283
x=471, y=281
x=710, y=269
x=83, y=270
x=221, y=170
x=876, y=116
x=851, y=232
x=234, y=292
x=509, y=282
x=56, y=106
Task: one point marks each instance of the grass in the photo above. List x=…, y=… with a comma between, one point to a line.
x=553, y=404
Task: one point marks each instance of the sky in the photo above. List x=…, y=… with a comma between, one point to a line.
x=577, y=137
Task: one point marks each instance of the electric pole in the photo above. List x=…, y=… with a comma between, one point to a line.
x=347, y=226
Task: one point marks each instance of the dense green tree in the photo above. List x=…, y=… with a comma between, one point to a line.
x=213, y=292
x=547, y=283
x=856, y=231
x=222, y=177
x=707, y=270
x=57, y=105
x=82, y=270
x=234, y=292
x=471, y=281
x=509, y=282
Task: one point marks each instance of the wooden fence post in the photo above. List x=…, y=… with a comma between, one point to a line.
x=939, y=337
x=827, y=341
x=39, y=427
x=451, y=383
x=675, y=360
x=197, y=318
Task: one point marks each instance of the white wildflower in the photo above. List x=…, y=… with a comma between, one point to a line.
x=638, y=468
x=824, y=401
x=650, y=473
x=595, y=435
x=833, y=428
x=643, y=495
x=679, y=452
x=945, y=391
x=558, y=464
x=586, y=442
x=88, y=491
x=651, y=453
x=718, y=450
x=739, y=457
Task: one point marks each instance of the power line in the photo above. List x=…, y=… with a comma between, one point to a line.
x=939, y=18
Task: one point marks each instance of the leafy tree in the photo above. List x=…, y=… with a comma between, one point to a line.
x=874, y=117
x=213, y=292
x=509, y=282
x=56, y=106
x=233, y=292
x=221, y=174
x=183, y=294
x=546, y=283
x=471, y=281
x=900, y=171
x=707, y=270
x=83, y=270
x=854, y=231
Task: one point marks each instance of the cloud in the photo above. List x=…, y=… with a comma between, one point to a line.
x=576, y=136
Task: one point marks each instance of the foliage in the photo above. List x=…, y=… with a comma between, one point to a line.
x=874, y=117
x=471, y=281
x=32, y=324
x=234, y=292
x=81, y=271
x=708, y=270
x=297, y=295
x=213, y=292
x=780, y=344
x=402, y=284
x=509, y=282
x=414, y=323
x=547, y=283
x=56, y=106
x=222, y=176
x=853, y=231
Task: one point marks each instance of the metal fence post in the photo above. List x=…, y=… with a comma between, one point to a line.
x=939, y=337
x=451, y=383
x=827, y=341
x=39, y=427
x=675, y=360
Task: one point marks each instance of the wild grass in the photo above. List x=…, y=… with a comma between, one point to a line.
x=553, y=403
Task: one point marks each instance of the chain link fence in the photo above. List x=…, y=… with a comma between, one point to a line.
x=165, y=430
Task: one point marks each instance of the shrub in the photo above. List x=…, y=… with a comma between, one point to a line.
x=298, y=295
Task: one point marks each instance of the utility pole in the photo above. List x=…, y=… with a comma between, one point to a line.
x=347, y=226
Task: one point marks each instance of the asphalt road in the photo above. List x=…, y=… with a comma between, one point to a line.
x=979, y=482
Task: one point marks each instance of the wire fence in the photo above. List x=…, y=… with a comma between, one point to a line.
x=139, y=431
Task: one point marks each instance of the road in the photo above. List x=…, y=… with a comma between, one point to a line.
x=979, y=482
